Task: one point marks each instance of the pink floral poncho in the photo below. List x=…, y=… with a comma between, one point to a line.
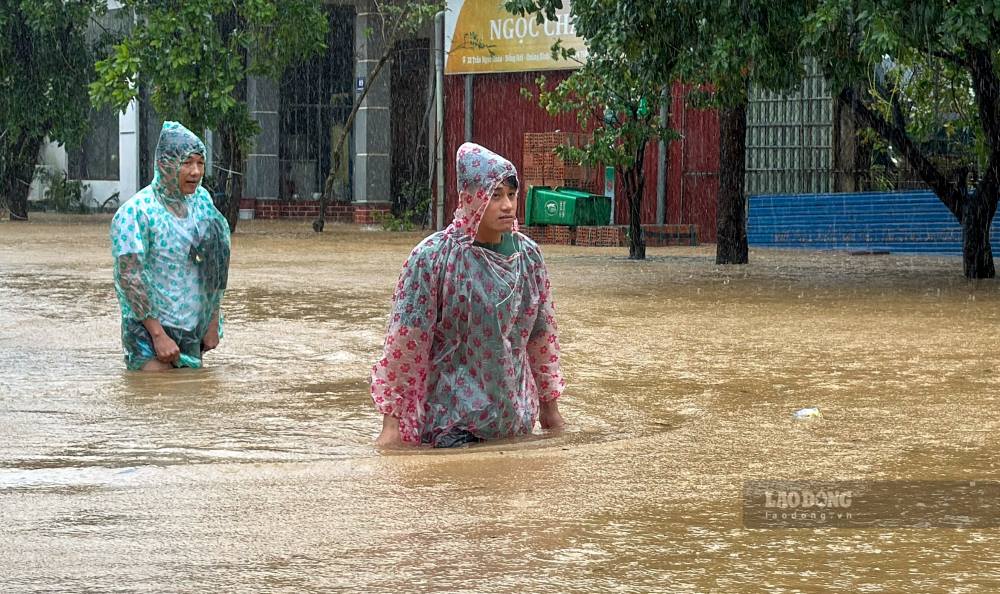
x=472, y=341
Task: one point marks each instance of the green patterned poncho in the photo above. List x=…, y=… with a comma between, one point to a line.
x=171, y=256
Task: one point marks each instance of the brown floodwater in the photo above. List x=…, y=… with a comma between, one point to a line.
x=257, y=473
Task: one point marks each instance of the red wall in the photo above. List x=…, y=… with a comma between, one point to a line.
x=501, y=117
x=693, y=180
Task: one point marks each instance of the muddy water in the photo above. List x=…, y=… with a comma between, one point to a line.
x=257, y=473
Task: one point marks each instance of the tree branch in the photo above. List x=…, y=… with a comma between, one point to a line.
x=897, y=112
x=950, y=57
x=387, y=49
x=987, y=88
x=947, y=192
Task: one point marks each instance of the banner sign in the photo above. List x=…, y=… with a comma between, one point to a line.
x=482, y=37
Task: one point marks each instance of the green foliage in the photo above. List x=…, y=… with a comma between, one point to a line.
x=722, y=43
x=46, y=63
x=629, y=63
x=613, y=102
x=739, y=42
x=914, y=62
x=45, y=66
x=195, y=56
x=636, y=49
x=415, y=202
x=632, y=55
x=61, y=193
x=410, y=17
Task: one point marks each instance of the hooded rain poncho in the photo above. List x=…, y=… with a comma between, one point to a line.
x=472, y=341
x=171, y=254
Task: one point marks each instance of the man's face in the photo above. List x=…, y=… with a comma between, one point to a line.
x=500, y=213
x=192, y=170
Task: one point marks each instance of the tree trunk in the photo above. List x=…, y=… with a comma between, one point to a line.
x=634, y=182
x=234, y=179
x=232, y=125
x=973, y=210
x=338, y=157
x=977, y=218
x=979, y=207
x=18, y=169
x=731, y=220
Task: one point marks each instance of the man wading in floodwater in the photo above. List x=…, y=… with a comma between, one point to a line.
x=171, y=251
x=471, y=351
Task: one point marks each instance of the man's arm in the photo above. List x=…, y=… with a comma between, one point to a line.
x=166, y=349
x=544, y=354
x=211, y=338
x=130, y=278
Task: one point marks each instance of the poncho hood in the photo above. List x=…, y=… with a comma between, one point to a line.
x=480, y=171
x=175, y=145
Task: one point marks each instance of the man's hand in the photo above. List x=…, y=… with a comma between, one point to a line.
x=211, y=338
x=166, y=349
x=549, y=417
x=390, y=436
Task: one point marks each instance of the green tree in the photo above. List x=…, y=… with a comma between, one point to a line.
x=46, y=63
x=719, y=46
x=915, y=70
x=632, y=54
x=195, y=59
x=740, y=43
x=627, y=122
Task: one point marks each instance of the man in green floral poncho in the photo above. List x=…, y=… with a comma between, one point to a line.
x=171, y=251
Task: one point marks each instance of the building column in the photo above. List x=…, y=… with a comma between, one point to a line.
x=128, y=151
x=263, y=174
x=372, y=126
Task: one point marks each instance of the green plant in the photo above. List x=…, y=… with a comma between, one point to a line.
x=46, y=63
x=413, y=202
x=62, y=194
x=195, y=59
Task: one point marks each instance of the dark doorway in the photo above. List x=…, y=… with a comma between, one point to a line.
x=410, y=103
x=316, y=98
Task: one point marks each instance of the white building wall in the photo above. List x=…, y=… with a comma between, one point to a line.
x=128, y=151
x=54, y=158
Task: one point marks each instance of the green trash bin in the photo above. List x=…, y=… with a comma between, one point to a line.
x=591, y=209
x=566, y=206
x=546, y=206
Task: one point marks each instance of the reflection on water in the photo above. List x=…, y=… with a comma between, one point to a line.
x=257, y=473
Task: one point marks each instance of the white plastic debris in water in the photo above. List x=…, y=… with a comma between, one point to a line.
x=807, y=413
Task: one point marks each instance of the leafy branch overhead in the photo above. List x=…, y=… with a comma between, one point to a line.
x=46, y=62
x=194, y=56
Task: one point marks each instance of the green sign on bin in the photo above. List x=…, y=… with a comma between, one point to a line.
x=566, y=206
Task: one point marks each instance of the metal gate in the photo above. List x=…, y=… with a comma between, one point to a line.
x=790, y=138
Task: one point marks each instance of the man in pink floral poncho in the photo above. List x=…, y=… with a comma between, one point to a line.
x=472, y=351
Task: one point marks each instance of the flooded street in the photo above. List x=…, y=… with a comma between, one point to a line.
x=258, y=474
